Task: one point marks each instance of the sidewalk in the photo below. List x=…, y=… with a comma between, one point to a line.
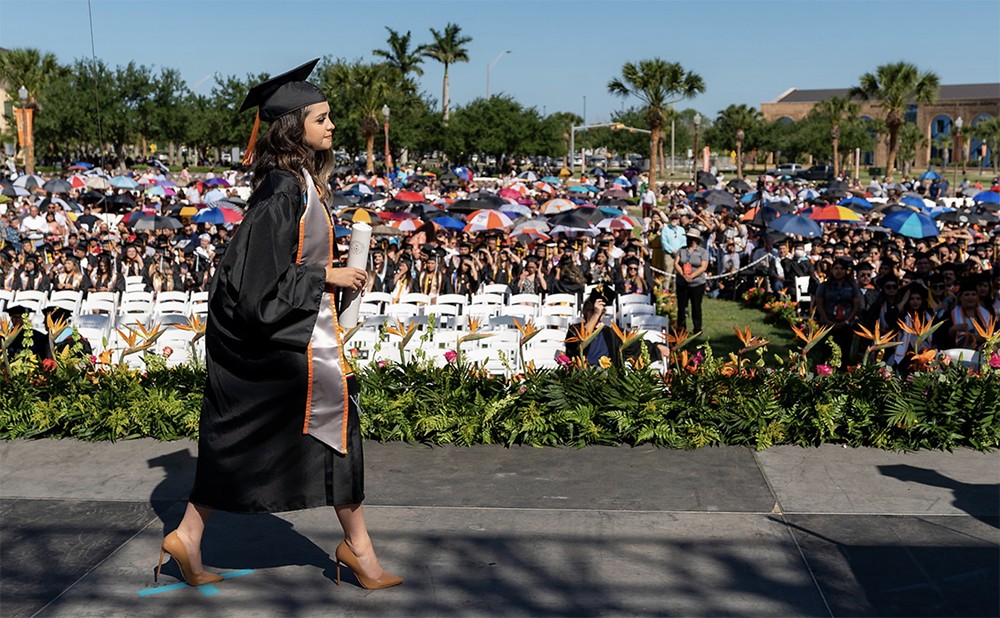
x=521, y=531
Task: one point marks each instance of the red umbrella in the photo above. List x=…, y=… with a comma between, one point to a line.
x=410, y=196
x=407, y=225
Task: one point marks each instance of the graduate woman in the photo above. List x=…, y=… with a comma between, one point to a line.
x=279, y=424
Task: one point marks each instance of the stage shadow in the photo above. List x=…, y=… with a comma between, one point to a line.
x=980, y=500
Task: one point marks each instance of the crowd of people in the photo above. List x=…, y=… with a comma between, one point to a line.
x=857, y=274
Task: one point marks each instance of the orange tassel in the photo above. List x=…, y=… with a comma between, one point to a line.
x=248, y=155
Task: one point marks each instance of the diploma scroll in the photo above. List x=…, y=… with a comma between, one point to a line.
x=357, y=257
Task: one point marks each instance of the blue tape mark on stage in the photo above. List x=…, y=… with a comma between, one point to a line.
x=207, y=590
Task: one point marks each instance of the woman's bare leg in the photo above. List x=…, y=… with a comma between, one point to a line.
x=352, y=520
x=191, y=530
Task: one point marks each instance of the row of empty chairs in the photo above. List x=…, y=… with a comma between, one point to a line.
x=127, y=306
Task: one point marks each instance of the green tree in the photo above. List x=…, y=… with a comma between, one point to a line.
x=658, y=84
x=910, y=139
x=735, y=126
x=501, y=127
x=894, y=87
x=989, y=132
x=361, y=90
x=448, y=48
x=837, y=111
x=28, y=67
x=400, y=57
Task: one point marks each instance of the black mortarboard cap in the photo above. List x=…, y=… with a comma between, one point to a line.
x=285, y=93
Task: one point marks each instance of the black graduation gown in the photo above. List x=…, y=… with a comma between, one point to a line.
x=253, y=456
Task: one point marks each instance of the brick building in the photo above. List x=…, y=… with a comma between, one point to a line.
x=974, y=103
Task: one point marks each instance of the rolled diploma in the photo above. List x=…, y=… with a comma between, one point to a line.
x=357, y=257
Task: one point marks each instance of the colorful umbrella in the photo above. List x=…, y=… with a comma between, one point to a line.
x=217, y=215
x=406, y=225
x=617, y=223
x=912, y=224
x=835, y=214
x=359, y=214
x=79, y=182
x=217, y=182
x=528, y=235
x=487, y=220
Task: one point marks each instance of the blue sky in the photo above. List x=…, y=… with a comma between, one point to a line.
x=746, y=51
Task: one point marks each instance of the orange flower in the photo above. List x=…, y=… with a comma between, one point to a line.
x=987, y=331
x=749, y=342
x=811, y=333
x=924, y=358
x=920, y=325
x=527, y=330
x=876, y=337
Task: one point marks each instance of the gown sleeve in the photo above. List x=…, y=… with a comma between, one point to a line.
x=272, y=294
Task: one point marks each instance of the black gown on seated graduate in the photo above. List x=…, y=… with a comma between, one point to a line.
x=253, y=456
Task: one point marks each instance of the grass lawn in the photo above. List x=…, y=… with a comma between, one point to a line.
x=721, y=316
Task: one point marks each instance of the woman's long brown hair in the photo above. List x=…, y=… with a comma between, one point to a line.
x=282, y=147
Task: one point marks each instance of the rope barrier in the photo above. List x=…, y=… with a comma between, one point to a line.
x=714, y=277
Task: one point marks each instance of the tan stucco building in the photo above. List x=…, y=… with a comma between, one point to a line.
x=973, y=103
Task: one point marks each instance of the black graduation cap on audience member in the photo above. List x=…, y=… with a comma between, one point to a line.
x=279, y=96
x=604, y=292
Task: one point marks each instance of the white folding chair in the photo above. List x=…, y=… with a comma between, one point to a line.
x=802, y=290
x=458, y=300
x=500, y=289
x=560, y=300
x=439, y=310
x=199, y=297
x=557, y=310
x=966, y=356
x=486, y=299
x=415, y=298
x=401, y=310
x=67, y=299
x=543, y=355
x=522, y=312
x=633, y=299
x=658, y=323
x=629, y=312
x=35, y=300
x=136, y=295
x=532, y=300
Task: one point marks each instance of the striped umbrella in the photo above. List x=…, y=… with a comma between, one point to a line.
x=912, y=224
x=835, y=214
x=357, y=213
x=616, y=223
x=407, y=225
x=528, y=235
x=483, y=220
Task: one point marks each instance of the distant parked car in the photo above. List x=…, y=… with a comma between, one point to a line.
x=817, y=173
x=786, y=169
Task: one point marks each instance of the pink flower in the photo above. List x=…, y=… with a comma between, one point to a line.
x=450, y=356
x=885, y=372
x=381, y=364
x=995, y=360
x=93, y=360
x=824, y=370
x=562, y=359
x=167, y=351
x=697, y=358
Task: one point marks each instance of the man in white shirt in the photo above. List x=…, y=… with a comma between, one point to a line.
x=34, y=226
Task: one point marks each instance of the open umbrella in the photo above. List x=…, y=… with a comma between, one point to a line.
x=857, y=202
x=705, y=179
x=912, y=224
x=29, y=181
x=835, y=214
x=217, y=182
x=356, y=213
x=528, y=175
x=92, y=197
x=797, y=225
x=986, y=197
x=569, y=220
x=968, y=218
x=557, y=205
x=487, y=220
x=410, y=196
x=153, y=222
x=719, y=198
x=407, y=225
x=616, y=223
x=518, y=210
x=450, y=223
x=217, y=215
x=930, y=175
x=912, y=200
x=123, y=201
x=738, y=184
x=123, y=182
x=529, y=235
x=591, y=213
x=58, y=185
x=552, y=180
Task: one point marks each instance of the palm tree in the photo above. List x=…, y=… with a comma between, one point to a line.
x=838, y=110
x=894, y=87
x=910, y=138
x=659, y=84
x=399, y=55
x=989, y=132
x=738, y=120
x=448, y=49
x=364, y=89
x=29, y=68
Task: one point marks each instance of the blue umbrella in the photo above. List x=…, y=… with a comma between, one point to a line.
x=797, y=225
x=463, y=172
x=989, y=197
x=930, y=175
x=340, y=231
x=611, y=212
x=913, y=200
x=449, y=222
x=552, y=180
x=123, y=182
x=856, y=201
x=582, y=189
x=912, y=224
x=84, y=165
x=937, y=211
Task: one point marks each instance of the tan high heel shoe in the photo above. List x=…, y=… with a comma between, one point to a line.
x=345, y=555
x=172, y=545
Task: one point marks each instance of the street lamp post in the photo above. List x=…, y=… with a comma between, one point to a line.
x=489, y=69
x=694, y=152
x=958, y=151
x=28, y=132
x=388, y=154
